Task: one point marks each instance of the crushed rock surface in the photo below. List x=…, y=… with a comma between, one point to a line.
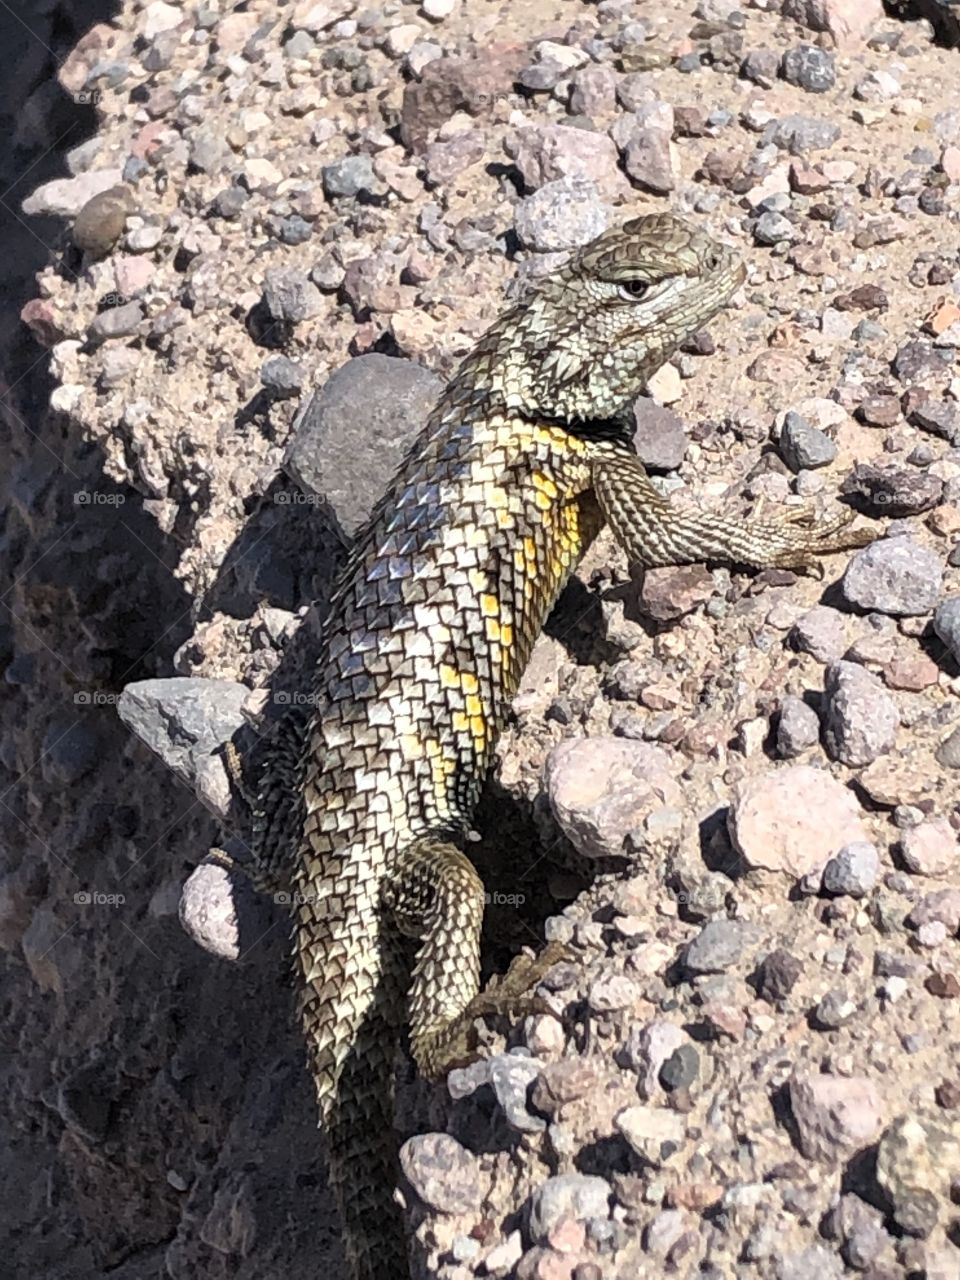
x=734, y=797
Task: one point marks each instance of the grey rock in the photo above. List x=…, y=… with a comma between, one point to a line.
x=635, y=90
x=854, y=871
x=664, y=1232
x=861, y=717
x=348, y=177
x=799, y=134
x=896, y=576
x=948, y=752
x=352, y=434
x=542, y=76
x=803, y=446
x=300, y=45
x=570, y=1195
x=917, y=361
x=861, y=1229
x=777, y=975
x=773, y=228
x=648, y=1048
x=209, y=152
x=222, y=912
x=720, y=945
x=681, y=1069
x=761, y=66
x=289, y=295
x=564, y=214
x=658, y=437
x=183, y=720
x=85, y=1099
x=648, y=161
x=810, y=68
x=916, y=1159
x=230, y=1226
x=328, y=274
x=893, y=491
x=813, y=1263
x=946, y=623
x=822, y=633
x=65, y=197
x=463, y=1082
x=229, y=203
x=282, y=375
x=116, y=322
x=442, y=1172
x=594, y=92
x=511, y=1076
x=294, y=230
x=798, y=727
x=938, y=417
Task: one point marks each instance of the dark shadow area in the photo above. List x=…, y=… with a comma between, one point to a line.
x=154, y=1096
x=940, y=13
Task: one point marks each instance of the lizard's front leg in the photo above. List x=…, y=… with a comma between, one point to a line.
x=654, y=533
x=437, y=897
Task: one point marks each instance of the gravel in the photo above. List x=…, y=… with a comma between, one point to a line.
x=324, y=214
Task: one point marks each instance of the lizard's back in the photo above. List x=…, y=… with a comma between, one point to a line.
x=430, y=629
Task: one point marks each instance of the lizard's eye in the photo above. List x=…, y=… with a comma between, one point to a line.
x=632, y=290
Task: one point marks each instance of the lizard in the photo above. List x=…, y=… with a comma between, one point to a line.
x=365, y=807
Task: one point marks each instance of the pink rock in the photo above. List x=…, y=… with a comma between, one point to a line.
x=602, y=789
x=794, y=820
x=132, y=275
x=568, y=1236
x=148, y=139
x=848, y=21
x=38, y=316
x=950, y=163
x=547, y=152
x=98, y=44
x=930, y=849
x=943, y=904
x=835, y=1115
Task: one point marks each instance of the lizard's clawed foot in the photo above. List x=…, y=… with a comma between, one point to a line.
x=811, y=541
x=513, y=992
x=511, y=995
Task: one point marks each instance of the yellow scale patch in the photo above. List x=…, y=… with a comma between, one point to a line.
x=539, y=570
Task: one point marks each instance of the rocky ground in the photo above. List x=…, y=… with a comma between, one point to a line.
x=735, y=796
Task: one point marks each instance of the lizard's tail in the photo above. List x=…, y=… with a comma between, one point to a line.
x=363, y=1170
x=351, y=1007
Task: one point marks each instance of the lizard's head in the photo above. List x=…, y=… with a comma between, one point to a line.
x=584, y=342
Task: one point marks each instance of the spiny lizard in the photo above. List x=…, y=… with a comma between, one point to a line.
x=364, y=810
